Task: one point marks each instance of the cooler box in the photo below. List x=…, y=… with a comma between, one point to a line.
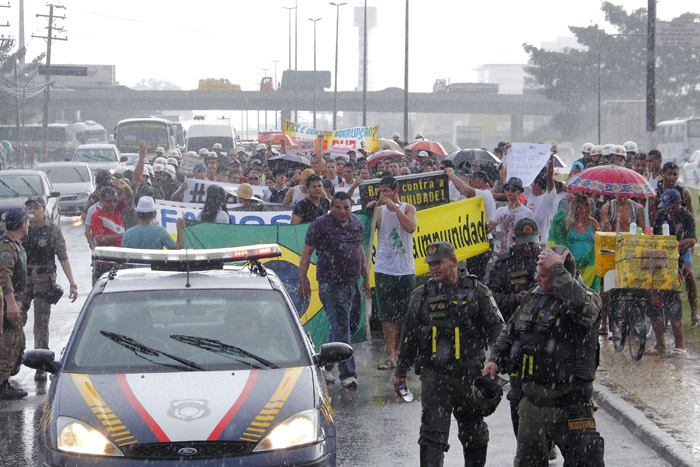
x=604, y=262
x=646, y=262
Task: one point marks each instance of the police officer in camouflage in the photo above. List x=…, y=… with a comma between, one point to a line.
x=451, y=320
x=552, y=343
x=43, y=244
x=13, y=274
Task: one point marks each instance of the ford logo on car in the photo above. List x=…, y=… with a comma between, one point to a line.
x=187, y=451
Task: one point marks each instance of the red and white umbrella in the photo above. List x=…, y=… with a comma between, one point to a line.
x=612, y=180
x=339, y=150
x=426, y=145
x=381, y=155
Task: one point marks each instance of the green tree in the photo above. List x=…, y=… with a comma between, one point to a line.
x=153, y=84
x=9, y=87
x=570, y=77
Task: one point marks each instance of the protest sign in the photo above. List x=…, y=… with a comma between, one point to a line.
x=525, y=160
x=304, y=146
x=188, y=162
x=364, y=137
x=421, y=190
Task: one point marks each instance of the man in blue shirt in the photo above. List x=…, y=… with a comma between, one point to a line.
x=337, y=239
x=147, y=235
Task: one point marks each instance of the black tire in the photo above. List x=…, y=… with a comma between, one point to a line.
x=617, y=324
x=637, y=331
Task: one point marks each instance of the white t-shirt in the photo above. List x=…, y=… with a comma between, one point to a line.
x=489, y=203
x=544, y=208
x=506, y=220
x=336, y=181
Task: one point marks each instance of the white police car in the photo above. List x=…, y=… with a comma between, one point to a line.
x=188, y=361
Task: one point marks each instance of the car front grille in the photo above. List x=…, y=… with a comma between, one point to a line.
x=205, y=450
x=68, y=197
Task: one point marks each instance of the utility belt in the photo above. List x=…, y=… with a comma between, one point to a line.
x=444, y=347
x=578, y=397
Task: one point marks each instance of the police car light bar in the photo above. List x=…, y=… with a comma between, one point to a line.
x=212, y=255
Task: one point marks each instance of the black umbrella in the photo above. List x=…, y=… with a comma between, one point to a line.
x=288, y=161
x=472, y=156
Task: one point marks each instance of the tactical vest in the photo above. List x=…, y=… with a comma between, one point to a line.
x=19, y=271
x=41, y=251
x=450, y=335
x=553, y=348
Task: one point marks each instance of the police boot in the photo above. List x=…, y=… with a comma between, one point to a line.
x=475, y=457
x=9, y=391
x=431, y=456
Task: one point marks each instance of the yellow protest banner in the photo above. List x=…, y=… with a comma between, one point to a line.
x=462, y=223
x=362, y=137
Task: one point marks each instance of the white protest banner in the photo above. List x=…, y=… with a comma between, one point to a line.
x=305, y=147
x=197, y=190
x=170, y=211
x=525, y=160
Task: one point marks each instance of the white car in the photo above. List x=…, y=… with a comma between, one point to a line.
x=98, y=156
x=74, y=180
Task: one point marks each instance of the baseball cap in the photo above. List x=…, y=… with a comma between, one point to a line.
x=526, y=231
x=396, y=135
x=422, y=154
x=15, y=217
x=514, y=182
x=669, y=198
x=438, y=250
x=39, y=200
x=199, y=167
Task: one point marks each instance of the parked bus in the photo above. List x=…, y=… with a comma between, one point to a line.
x=154, y=131
x=62, y=141
x=679, y=138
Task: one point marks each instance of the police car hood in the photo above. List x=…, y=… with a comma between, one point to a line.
x=186, y=406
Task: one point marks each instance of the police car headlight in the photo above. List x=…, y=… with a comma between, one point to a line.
x=78, y=437
x=83, y=196
x=297, y=430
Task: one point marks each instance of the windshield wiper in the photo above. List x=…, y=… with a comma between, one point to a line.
x=30, y=187
x=216, y=346
x=8, y=187
x=141, y=350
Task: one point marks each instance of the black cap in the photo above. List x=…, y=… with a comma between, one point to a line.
x=526, y=231
x=438, y=250
x=514, y=182
x=103, y=178
x=14, y=218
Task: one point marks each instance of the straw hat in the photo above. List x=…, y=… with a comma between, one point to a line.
x=245, y=191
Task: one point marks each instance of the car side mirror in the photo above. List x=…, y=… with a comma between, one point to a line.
x=41, y=359
x=54, y=194
x=332, y=352
x=123, y=159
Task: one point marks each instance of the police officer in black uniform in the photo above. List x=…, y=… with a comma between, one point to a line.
x=509, y=280
x=13, y=275
x=552, y=340
x=450, y=321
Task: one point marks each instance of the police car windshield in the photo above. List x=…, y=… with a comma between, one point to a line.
x=257, y=321
x=12, y=186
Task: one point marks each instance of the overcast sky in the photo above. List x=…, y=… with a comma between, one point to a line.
x=184, y=41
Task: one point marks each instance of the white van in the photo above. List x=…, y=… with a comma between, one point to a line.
x=205, y=135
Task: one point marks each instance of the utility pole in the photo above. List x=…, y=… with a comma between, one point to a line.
x=335, y=73
x=264, y=75
x=405, y=82
x=314, y=20
x=651, y=70
x=364, y=68
x=47, y=92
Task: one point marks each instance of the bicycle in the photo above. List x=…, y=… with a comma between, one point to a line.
x=628, y=320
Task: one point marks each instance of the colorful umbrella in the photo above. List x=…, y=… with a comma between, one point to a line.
x=381, y=155
x=612, y=180
x=426, y=145
x=388, y=144
x=339, y=150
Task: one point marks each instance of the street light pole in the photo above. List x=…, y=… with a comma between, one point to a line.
x=600, y=47
x=289, y=9
x=405, y=83
x=335, y=74
x=314, y=20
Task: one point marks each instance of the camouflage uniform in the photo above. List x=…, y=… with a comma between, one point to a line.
x=13, y=271
x=552, y=342
x=42, y=244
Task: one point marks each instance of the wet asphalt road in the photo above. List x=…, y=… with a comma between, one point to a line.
x=374, y=426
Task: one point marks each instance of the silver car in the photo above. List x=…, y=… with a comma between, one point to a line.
x=18, y=185
x=98, y=156
x=74, y=180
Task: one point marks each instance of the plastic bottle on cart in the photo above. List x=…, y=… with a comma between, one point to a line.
x=666, y=229
x=633, y=228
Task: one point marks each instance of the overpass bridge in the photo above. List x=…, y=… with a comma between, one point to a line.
x=110, y=105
